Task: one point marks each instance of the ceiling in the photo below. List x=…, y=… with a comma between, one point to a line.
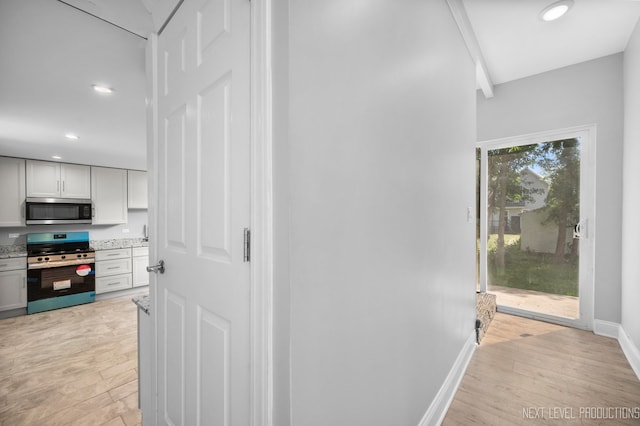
x=515, y=43
x=52, y=51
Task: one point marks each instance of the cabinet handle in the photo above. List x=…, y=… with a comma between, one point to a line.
x=113, y=267
x=114, y=283
x=4, y=265
x=57, y=186
x=24, y=282
x=93, y=212
x=62, y=186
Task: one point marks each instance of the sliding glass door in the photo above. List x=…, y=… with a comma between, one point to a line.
x=536, y=253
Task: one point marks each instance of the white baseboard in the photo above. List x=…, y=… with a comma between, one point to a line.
x=616, y=331
x=630, y=350
x=440, y=404
x=606, y=328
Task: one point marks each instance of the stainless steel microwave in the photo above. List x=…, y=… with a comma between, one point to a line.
x=55, y=211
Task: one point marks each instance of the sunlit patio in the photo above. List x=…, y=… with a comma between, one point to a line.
x=536, y=301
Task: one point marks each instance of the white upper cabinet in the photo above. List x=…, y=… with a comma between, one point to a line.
x=137, y=189
x=58, y=180
x=12, y=191
x=109, y=195
x=76, y=181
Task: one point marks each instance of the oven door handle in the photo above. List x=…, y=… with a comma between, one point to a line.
x=70, y=262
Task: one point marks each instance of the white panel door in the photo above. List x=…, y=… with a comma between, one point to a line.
x=203, y=298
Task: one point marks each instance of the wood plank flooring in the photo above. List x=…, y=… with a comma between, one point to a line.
x=528, y=372
x=71, y=366
x=78, y=366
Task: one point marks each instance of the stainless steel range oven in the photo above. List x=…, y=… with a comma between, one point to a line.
x=60, y=270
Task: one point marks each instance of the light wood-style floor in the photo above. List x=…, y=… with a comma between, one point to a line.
x=71, y=366
x=528, y=372
x=78, y=366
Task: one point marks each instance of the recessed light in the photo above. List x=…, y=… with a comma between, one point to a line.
x=102, y=89
x=555, y=10
x=56, y=157
x=72, y=136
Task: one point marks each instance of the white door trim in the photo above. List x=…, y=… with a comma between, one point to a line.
x=587, y=203
x=261, y=215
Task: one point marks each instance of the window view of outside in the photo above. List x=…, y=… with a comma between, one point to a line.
x=533, y=199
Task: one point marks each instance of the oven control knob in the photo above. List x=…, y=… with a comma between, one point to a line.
x=84, y=255
x=78, y=255
x=46, y=258
x=63, y=257
x=39, y=259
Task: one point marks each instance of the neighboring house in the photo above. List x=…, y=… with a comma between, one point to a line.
x=536, y=188
x=527, y=217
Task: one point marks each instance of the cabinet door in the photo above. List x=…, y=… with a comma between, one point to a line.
x=109, y=195
x=137, y=189
x=13, y=289
x=43, y=179
x=76, y=181
x=12, y=191
x=140, y=274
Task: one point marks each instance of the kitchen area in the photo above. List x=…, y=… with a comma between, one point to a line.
x=74, y=223
x=73, y=234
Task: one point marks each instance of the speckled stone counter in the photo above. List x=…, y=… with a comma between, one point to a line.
x=143, y=303
x=118, y=243
x=485, y=311
x=7, y=252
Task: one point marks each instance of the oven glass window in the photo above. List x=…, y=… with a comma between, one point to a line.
x=59, y=281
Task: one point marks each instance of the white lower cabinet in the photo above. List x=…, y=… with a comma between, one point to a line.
x=140, y=262
x=112, y=283
x=13, y=283
x=113, y=270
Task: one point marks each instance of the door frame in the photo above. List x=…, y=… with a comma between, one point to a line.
x=261, y=264
x=587, y=218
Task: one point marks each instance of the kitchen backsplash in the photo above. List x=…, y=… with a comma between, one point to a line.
x=137, y=221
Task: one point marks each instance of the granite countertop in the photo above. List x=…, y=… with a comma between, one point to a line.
x=7, y=252
x=143, y=302
x=118, y=243
x=20, y=250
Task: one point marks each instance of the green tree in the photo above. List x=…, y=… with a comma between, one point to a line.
x=505, y=166
x=561, y=160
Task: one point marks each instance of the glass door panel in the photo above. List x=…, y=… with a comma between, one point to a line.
x=532, y=226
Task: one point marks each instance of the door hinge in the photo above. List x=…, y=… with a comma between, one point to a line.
x=247, y=245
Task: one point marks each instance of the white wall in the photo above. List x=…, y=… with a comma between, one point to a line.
x=631, y=194
x=587, y=93
x=381, y=160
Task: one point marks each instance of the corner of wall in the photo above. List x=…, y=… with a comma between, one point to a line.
x=630, y=350
x=606, y=328
x=438, y=409
x=617, y=331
